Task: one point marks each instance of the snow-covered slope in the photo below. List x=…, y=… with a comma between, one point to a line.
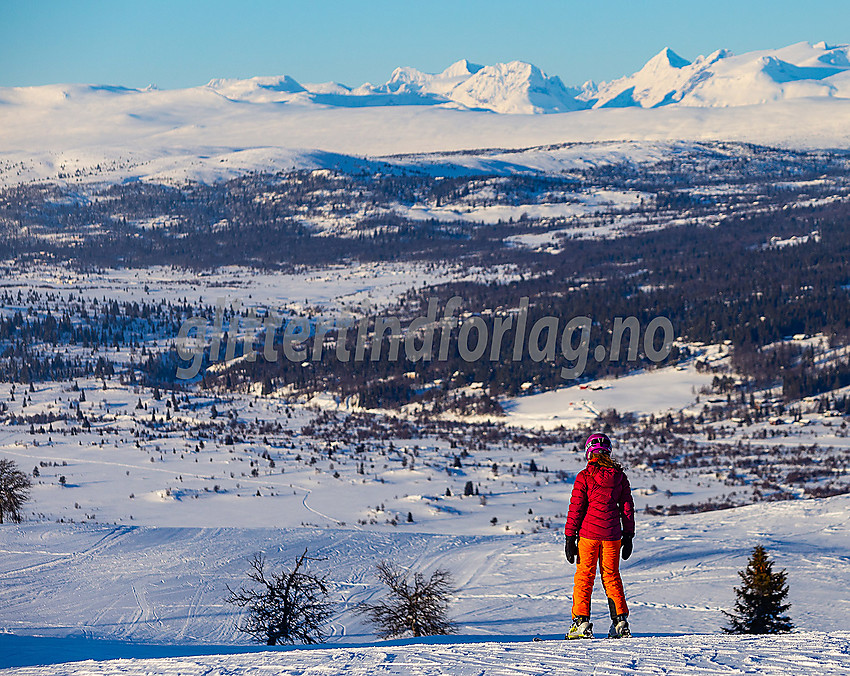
x=82, y=135
x=721, y=79
x=515, y=87
x=166, y=585
x=257, y=89
x=718, y=80
x=812, y=654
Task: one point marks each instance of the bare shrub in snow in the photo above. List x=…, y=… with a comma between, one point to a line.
x=415, y=605
x=288, y=607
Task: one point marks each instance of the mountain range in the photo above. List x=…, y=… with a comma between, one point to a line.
x=515, y=87
x=717, y=80
x=796, y=96
x=721, y=79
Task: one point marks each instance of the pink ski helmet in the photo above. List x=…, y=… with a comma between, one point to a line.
x=597, y=443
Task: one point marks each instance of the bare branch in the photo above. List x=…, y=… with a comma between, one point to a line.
x=418, y=607
x=289, y=607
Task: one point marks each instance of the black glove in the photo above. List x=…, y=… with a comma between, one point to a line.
x=627, y=545
x=571, y=548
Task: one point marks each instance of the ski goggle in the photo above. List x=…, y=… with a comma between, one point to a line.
x=597, y=443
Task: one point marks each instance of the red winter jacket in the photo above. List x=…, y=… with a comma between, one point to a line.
x=601, y=505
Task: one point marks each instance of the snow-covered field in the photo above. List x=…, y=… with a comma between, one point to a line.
x=165, y=586
x=130, y=555
x=125, y=473
x=808, y=654
x=330, y=289
x=582, y=204
x=643, y=393
x=183, y=142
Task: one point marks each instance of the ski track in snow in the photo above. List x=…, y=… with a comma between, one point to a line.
x=103, y=543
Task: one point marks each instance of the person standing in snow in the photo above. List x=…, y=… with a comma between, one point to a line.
x=600, y=526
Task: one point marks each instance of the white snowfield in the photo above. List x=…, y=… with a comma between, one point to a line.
x=85, y=140
x=815, y=653
x=165, y=587
x=642, y=392
x=332, y=289
x=582, y=204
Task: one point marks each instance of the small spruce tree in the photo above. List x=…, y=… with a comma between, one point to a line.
x=14, y=490
x=759, y=608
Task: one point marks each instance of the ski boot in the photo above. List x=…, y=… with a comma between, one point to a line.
x=620, y=627
x=582, y=628
x=619, y=623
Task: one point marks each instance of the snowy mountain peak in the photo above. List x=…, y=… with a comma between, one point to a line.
x=407, y=74
x=407, y=80
x=516, y=87
x=653, y=85
x=462, y=68
x=724, y=79
x=718, y=54
x=721, y=79
x=668, y=58
x=459, y=70
x=513, y=87
x=256, y=89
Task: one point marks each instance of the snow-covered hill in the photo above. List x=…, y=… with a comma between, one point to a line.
x=86, y=137
x=166, y=585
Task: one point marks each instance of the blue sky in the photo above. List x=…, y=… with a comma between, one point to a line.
x=181, y=43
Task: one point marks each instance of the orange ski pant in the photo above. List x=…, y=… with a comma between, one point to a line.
x=605, y=554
